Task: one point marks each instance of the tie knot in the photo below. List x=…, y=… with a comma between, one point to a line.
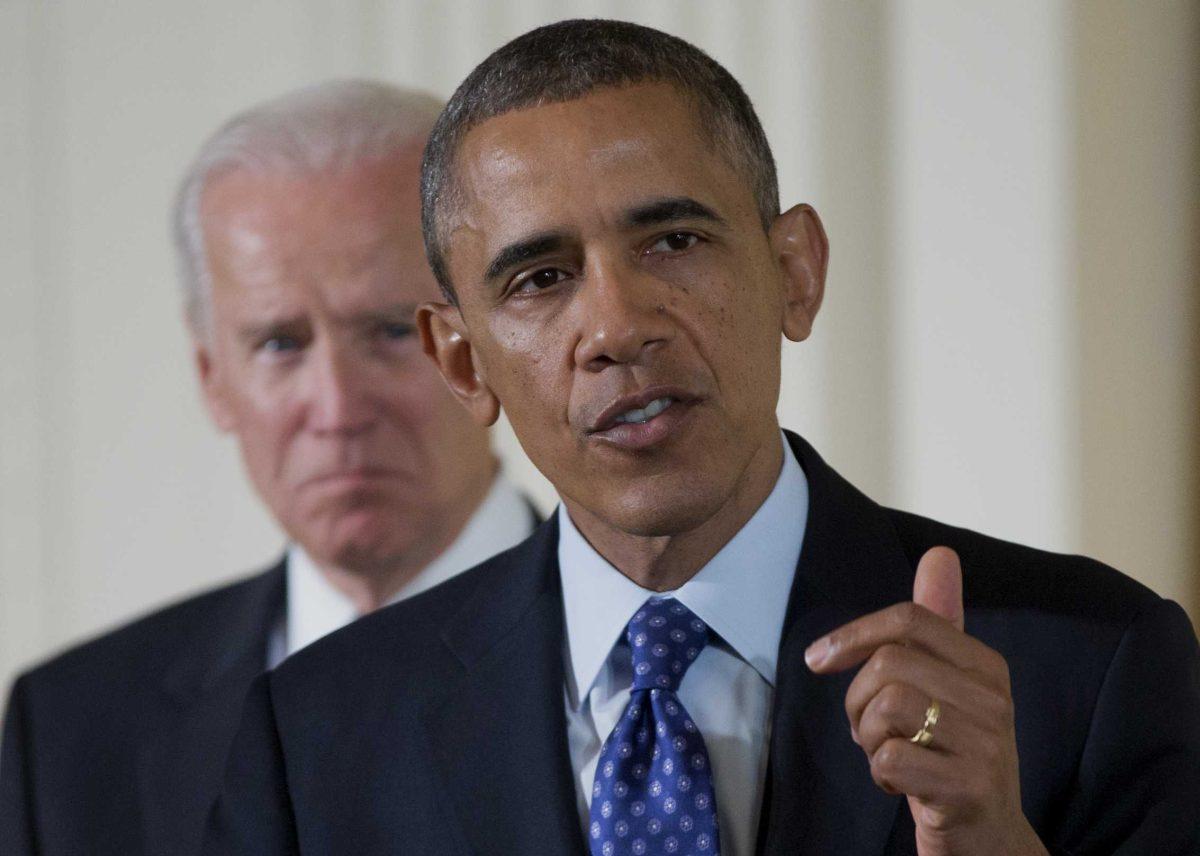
x=666, y=637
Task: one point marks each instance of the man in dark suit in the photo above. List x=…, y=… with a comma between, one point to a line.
x=717, y=644
x=299, y=232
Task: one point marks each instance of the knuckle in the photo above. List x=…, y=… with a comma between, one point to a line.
x=988, y=751
x=850, y=705
x=870, y=734
x=1006, y=718
x=886, y=760
x=999, y=666
x=886, y=659
x=1003, y=673
x=890, y=702
x=906, y=615
x=997, y=706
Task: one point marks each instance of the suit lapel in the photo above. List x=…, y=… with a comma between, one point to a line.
x=501, y=726
x=182, y=759
x=820, y=797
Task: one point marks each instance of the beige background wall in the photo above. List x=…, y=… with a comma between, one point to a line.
x=1009, y=339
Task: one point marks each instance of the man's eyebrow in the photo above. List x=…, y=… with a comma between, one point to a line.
x=392, y=313
x=255, y=332
x=405, y=311
x=670, y=210
x=522, y=251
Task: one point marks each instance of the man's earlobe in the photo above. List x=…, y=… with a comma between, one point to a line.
x=799, y=244
x=445, y=340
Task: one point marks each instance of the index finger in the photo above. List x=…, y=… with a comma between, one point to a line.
x=903, y=624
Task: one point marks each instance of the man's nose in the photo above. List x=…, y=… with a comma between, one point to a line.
x=623, y=318
x=340, y=393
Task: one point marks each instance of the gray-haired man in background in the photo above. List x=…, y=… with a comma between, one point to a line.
x=298, y=229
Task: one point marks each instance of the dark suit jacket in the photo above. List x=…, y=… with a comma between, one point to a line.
x=117, y=746
x=437, y=727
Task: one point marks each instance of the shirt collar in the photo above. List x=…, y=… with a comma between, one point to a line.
x=504, y=519
x=316, y=608
x=742, y=593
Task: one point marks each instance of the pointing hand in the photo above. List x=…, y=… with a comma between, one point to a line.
x=962, y=784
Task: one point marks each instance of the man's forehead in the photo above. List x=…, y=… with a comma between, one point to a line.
x=276, y=193
x=249, y=212
x=269, y=301
x=615, y=146
x=345, y=241
x=605, y=126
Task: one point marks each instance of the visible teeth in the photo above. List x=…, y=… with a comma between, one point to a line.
x=655, y=407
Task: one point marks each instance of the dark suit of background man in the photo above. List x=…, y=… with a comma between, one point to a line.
x=600, y=207
x=299, y=232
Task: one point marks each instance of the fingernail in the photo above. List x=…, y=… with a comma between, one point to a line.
x=817, y=652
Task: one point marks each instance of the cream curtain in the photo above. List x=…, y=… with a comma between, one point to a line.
x=1008, y=342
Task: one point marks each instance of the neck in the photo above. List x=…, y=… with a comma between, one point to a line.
x=372, y=583
x=666, y=562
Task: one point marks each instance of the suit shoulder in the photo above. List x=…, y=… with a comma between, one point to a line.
x=406, y=638
x=137, y=651
x=1001, y=574
x=410, y=623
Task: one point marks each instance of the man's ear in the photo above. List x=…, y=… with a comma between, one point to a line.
x=445, y=339
x=799, y=244
x=211, y=384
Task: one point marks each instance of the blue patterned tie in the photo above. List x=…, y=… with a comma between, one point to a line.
x=653, y=792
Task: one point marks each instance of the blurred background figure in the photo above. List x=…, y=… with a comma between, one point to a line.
x=298, y=232
x=1011, y=338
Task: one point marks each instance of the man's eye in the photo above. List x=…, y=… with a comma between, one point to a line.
x=674, y=242
x=541, y=279
x=280, y=344
x=398, y=331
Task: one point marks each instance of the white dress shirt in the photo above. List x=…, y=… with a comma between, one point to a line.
x=316, y=608
x=742, y=595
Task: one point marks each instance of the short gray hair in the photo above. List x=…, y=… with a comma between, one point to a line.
x=327, y=126
x=568, y=60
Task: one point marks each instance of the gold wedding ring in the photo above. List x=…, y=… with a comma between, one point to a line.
x=925, y=736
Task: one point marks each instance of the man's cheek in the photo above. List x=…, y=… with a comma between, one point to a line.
x=531, y=330
x=423, y=405
x=519, y=377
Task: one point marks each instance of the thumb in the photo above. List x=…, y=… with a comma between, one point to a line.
x=938, y=584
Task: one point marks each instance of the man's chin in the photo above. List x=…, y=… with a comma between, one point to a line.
x=363, y=542
x=660, y=513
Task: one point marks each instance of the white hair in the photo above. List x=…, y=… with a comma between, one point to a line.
x=327, y=126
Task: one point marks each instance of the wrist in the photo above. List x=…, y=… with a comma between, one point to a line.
x=1026, y=841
